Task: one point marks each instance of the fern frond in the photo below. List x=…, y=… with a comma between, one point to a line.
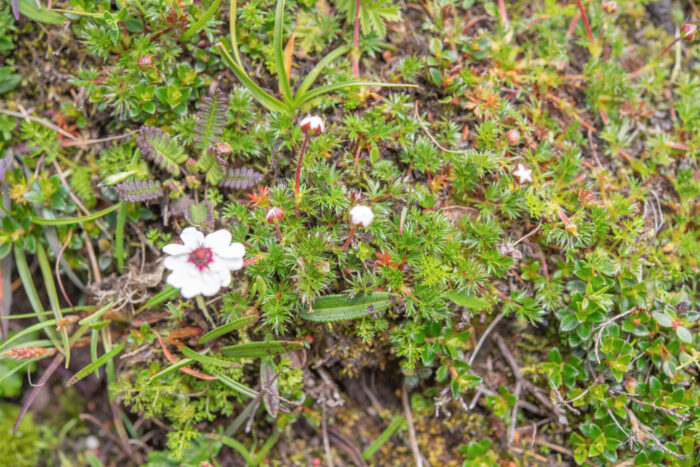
x=211, y=119
x=162, y=149
x=241, y=178
x=139, y=190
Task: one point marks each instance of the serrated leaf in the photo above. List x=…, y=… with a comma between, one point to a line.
x=339, y=307
x=139, y=190
x=162, y=149
x=241, y=178
x=470, y=301
x=211, y=119
x=260, y=349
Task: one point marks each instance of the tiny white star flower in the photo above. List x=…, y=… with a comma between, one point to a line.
x=202, y=265
x=361, y=215
x=312, y=125
x=523, y=173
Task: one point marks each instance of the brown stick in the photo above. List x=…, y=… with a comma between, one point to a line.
x=411, y=429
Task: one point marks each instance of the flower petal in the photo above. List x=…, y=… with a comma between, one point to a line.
x=192, y=288
x=226, y=264
x=178, y=279
x=192, y=238
x=220, y=238
x=178, y=263
x=234, y=250
x=212, y=281
x=175, y=249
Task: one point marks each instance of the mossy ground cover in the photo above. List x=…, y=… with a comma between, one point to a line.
x=350, y=233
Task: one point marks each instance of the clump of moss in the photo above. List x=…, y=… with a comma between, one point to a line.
x=23, y=448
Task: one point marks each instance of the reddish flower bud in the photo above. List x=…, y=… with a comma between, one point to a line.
x=513, y=136
x=274, y=214
x=221, y=149
x=145, y=62
x=610, y=7
x=312, y=125
x=688, y=31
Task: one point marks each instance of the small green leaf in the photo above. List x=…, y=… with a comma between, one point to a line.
x=684, y=335
x=96, y=364
x=662, y=318
x=470, y=301
x=189, y=353
x=339, y=307
x=226, y=328
x=260, y=349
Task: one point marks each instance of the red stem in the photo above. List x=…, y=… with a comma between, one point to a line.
x=279, y=233
x=298, y=175
x=356, y=42
x=250, y=261
x=502, y=11
x=350, y=235
x=585, y=22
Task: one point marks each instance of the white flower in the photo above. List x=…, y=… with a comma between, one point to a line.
x=361, y=215
x=523, y=173
x=202, y=265
x=312, y=125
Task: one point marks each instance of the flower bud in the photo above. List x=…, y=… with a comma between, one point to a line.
x=688, y=31
x=221, y=148
x=274, y=215
x=312, y=125
x=610, y=7
x=513, y=136
x=145, y=62
x=361, y=215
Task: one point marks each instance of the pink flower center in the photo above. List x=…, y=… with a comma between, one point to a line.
x=201, y=257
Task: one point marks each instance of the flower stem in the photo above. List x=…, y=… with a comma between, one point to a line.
x=356, y=42
x=585, y=22
x=502, y=12
x=203, y=306
x=298, y=174
x=347, y=242
x=279, y=234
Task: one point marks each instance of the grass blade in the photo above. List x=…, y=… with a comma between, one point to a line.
x=260, y=349
x=119, y=236
x=50, y=286
x=171, y=368
x=372, y=449
x=226, y=328
x=204, y=359
x=236, y=386
x=319, y=91
x=233, y=12
x=90, y=367
x=201, y=22
x=266, y=100
x=74, y=220
x=167, y=293
x=278, y=50
x=94, y=316
x=233, y=444
x=313, y=74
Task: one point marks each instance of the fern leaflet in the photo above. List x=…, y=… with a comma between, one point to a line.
x=162, y=149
